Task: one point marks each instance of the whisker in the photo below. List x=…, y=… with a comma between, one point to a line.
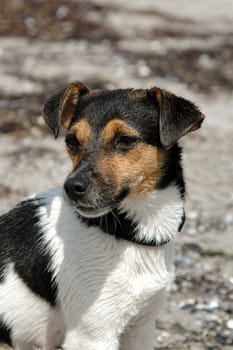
x=115, y=223
x=106, y=222
x=116, y=217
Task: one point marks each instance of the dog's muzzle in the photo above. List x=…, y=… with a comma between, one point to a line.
x=80, y=194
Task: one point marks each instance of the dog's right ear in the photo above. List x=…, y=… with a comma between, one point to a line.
x=60, y=108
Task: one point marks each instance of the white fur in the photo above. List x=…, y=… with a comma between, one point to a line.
x=32, y=320
x=109, y=290
x=159, y=214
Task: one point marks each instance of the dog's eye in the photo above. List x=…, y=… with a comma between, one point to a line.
x=125, y=142
x=72, y=142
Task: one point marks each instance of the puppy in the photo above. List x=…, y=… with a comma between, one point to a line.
x=86, y=267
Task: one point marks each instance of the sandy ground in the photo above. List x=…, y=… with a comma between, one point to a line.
x=183, y=46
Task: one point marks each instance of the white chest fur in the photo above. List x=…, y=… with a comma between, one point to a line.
x=108, y=290
x=104, y=280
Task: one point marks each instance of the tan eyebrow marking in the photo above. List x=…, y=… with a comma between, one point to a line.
x=140, y=169
x=116, y=126
x=82, y=131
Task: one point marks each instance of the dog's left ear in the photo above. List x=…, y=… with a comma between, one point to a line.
x=60, y=108
x=177, y=116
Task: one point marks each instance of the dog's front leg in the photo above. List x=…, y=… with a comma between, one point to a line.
x=21, y=345
x=141, y=335
x=76, y=340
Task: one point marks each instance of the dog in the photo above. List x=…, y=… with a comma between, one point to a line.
x=87, y=266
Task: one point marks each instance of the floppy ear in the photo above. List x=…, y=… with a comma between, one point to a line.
x=177, y=117
x=60, y=108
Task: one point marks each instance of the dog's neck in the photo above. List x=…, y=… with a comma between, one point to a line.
x=151, y=221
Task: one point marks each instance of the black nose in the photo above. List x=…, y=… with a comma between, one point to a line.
x=76, y=187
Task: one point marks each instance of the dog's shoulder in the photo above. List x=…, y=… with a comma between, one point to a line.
x=24, y=220
x=23, y=232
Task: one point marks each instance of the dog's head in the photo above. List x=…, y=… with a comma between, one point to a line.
x=121, y=142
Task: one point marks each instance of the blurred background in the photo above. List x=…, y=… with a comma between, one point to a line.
x=184, y=46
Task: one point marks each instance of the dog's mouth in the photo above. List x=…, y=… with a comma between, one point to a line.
x=93, y=209
x=89, y=212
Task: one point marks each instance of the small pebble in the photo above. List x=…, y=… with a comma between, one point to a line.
x=229, y=219
x=230, y=323
x=191, y=231
x=225, y=337
x=184, y=260
x=163, y=336
x=192, y=215
x=228, y=309
x=142, y=69
x=62, y=12
x=205, y=61
x=214, y=318
x=187, y=284
x=213, y=304
x=187, y=304
x=201, y=228
x=200, y=306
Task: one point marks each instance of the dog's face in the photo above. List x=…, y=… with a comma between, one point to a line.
x=119, y=141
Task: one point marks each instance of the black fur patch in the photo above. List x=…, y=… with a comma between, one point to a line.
x=5, y=334
x=118, y=225
x=183, y=218
x=172, y=171
x=139, y=112
x=21, y=245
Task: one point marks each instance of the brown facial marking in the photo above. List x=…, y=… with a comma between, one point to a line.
x=197, y=125
x=157, y=93
x=148, y=169
x=74, y=157
x=115, y=127
x=70, y=100
x=139, y=169
x=82, y=132
x=95, y=92
x=137, y=93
